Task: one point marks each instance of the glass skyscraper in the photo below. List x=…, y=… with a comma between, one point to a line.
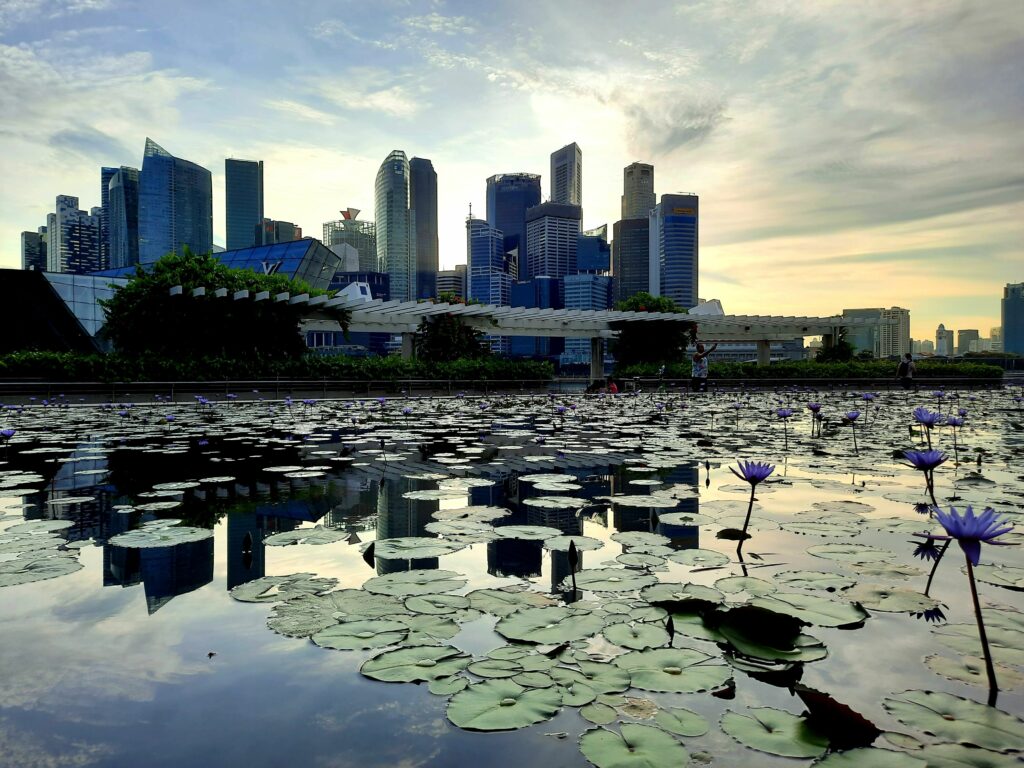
x=73, y=238
x=243, y=198
x=1013, y=318
x=509, y=197
x=360, y=235
x=673, y=248
x=123, y=218
x=567, y=175
x=33, y=250
x=175, y=205
x=423, y=202
x=396, y=226
x=106, y=174
x=552, y=230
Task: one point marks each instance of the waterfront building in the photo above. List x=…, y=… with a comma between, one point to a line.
x=353, y=231
x=537, y=293
x=243, y=202
x=584, y=291
x=33, y=250
x=552, y=231
x=272, y=231
x=1012, y=331
x=73, y=238
x=509, y=197
x=673, y=249
x=106, y=174
x=123, y=218
x=944, y=342
x=638, y=196
x=965, y=338
x=593, y=253
x=631, y=257
x=175, y=205
x=423, y=204
x=567, y=175
x=396, y=230
x=452, y=281
x=887, y=336
x=491, y=271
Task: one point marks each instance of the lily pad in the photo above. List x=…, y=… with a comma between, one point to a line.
x=878, y=597
x=851, y=553
x=812, y=609
x=307, y=615
x=419, y=664
x=502, y=602
x=274, y=589
x=827, y=581
x=557, y=624
x=437, y=604
x=636, y=635
x=774, y=731
x=359, y=635
x=502, y=705
x=682, y=722
x=635, y=746
x=613, y=580
x=699, y=558
x=599, y=714
x=416, y=582
x=446, y=686
x=956, y=719
x=414, y=548
x=959, y=756
x=583, y=543
x=599, y=678
x=26, y=570
x=1006, y=576
x=971, y=670
x=871, y=757
x=151, y=535
x=527, y=532
x=732, y=585
x=675, y=670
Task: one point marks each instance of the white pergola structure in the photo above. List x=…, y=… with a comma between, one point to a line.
x=404, y=317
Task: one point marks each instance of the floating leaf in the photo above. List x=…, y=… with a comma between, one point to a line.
x=437, y=604
x=599, y=714
x=679, y=594
x=637, y=746
x=887, y=599
x=597, y=677
x=775, y=732
x=830, y=582
x=502, y=705
x=556, y=624
x=852, y=553
x=812, y=609
x=1006, y=576
x=414, y=548
x=38, y=568
x=446, y=686
x=636, y=635
x=527, y=532
x=495, y=668
x=502, y=602
x=870, y=757
x=613, y=580
x=731, y=585
x=971, y=670
x=307, y=615
x=274, y=589
x=960, y=756
x=699, y=558
x=953, y=718
x=416, y=582
x=675, y=670
x=159, y=535
x=582, y=543
x=359, y=635
x=682, y=722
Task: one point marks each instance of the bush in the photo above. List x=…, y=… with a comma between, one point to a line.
x=853, y=369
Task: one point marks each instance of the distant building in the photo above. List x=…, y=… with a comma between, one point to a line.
x=964, y=339
x=509, y=197
x=552, y=231
x=175, y=205
x=631, y=266
x=73, y=238
x=396, y=235
x=584, y=291
x=106, y=174
x=995, y=335
x=490, y=273
x=1012, y=332
x=243, y=202
x=674, y=263
x=888, y=336
x=593, y=254
x=452, y=281
x=944, y=342
x=123, y=218
x=33, y=250
x=537, y=293
x=638, y=196
x=272, y=231
x=361, y=235
x=567, y=175
x=423, y=204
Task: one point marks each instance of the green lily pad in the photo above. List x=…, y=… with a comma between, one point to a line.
x=159, y=535
x=682, y=722
x=597, y=677
x=446, y=686
x=437, y=604
x=495, y=668
x=775, y=732
x=419, y=664
x=39, y=526
x=415, y=582
x=732, y=585
x=684, y=519
x=871, y=757
x=533, y=679
x=636, y=746
x=427, y=629
x=360, y=635
x=1006, y=576
x=959, y=756
x=24, y=570
x=699, y=558
x=639, y=539
x=275, y=589
x=583, y=543
x=953, y=718
x=640, y=560
x=681, y=593
x=812, y=609
x=824, y=580
x=636, y=635
x=502, y=602
x=852, y=553
x=878, y=597
x=612, y=580
x=675, y=670
x=1006, y=644
x=599, y=714
x=414, y=548
x=527, y=532
x=502, y=705
x=971, y=670
x=557, y=624
x=306, y=615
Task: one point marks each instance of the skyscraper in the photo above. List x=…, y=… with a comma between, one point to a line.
x=452, y=281
x=396, y=226
x=352, y=231
x=593, y=254
x=423, y=202
x=567, y=175
x=175, y=205
x=106, y=174
x=552, y=230
x=488, y=277
x=243, y=197
x=944, y=342
x=123, y=218
x=631, y=257
x=272, y=231
x=638, y=195
x=509, y=196
x=1013, y=318
x=674, y=249
x=73, y=238
x=888, y=335
x=33, y=250
x=964, y=338
x=584, y=291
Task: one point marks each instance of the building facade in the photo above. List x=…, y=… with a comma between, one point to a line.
x=123, y=209
x=888, y=335
x=73, y=238
x=552, y=231
x=965, y=338
x=673, y=249
x=243, y=201
x=593, y=254
x=488, y=266
x=537, y=293
x=272, y=231
x=106, y=174
x=1012, y=332
x=567, y=175
x=175, y=205
x=396, y=226
x=584, y=291
x=360, y=235
x=944, y=342
x=423, y=203
x=509, y=197
x=638, y=196
x=452, y=281
x=33, y=250
x=631, y=257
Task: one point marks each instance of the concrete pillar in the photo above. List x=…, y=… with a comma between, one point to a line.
x=764, y=352
x=596, y=359
x=408, y=352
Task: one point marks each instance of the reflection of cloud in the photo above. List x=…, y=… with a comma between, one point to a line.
x=27, y=751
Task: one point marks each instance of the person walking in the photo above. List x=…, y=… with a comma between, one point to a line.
x=699, y=368
x=905, y=371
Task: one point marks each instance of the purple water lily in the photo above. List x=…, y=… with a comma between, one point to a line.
x=925, y=461
x=784, y=413
x=814, y=407
x=852, y=415
x=970, y=530
x=928, y=418
x=753, y=471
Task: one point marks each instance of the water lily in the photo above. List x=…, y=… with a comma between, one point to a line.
x=753, y=472
x=851, y=418
x=927, y=418
x=927, y=462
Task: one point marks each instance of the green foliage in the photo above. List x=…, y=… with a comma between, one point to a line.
x=840, y=352
x=656, y=341
x=447, y=337
x=144, y=319
x=644, y=302
x=815, y=369
x=450, y=297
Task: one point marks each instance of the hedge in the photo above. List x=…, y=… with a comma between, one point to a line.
x=806, y=369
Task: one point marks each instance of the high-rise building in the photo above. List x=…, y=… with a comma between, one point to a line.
x=995, y=335
x=887, y=335
x=631, y=257
x=243, y=198
x=964, y=338
x=944, y=342
x=123, y=218
x=73, y=238
x=509, y=197
x=33, y=250
x=423, y=203
x=175, y=205
x=674, y=262
x=567, y=175
x=488, y=266
x=1012, y=336
x=352, y=231
x=638, y=195
x=537, y=293
x=272, y=231
x=593, y=253
x=584, y=291
x=396, y=226
x=452, y=281
x=106, y=174
x=552, y=230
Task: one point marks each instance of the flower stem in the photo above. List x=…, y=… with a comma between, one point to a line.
x=993, y=687
x=935, y=566
x=746, y=521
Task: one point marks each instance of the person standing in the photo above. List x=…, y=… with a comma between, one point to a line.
x=699, y=368
x=905, y=371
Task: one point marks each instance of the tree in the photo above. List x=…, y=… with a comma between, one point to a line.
x=441, y=338
x=840, y=352
x=654, y=341
x=143, y=318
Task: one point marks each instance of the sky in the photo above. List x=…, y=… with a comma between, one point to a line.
x=846, y=154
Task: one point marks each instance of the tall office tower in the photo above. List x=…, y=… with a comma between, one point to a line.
x=272, y=231
x=995, y=335
x=944, y=342
x=631, y=257
x=964, y=339
x=33, y=250
x=638, y=191
x=1013, y=318
x=488, y=266
x=888, y=335
x=123, y=217
x=360, y=235
x=567, y=175
x=396, y=226
x=73, y=238
x=106, y=174
x=593, y=253
x=423, y=202
x=551, y=233
x=452, y=281
x=175, y=205
x=243, y=201
x=509, y=197
x=674, y=262
x=584, y=291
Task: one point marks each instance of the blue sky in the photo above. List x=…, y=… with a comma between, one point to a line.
x=855, y=154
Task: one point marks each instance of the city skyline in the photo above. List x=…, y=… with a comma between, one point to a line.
x=844, y=156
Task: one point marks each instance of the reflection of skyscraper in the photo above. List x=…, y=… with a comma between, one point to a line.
x=171, y=571
x=514, y=557
x=245, y=548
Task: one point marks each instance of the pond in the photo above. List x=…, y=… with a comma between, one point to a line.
x=553, y=580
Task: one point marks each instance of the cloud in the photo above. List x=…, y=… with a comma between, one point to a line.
x=88, y=143
x=300, y=110
x=438, y=24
